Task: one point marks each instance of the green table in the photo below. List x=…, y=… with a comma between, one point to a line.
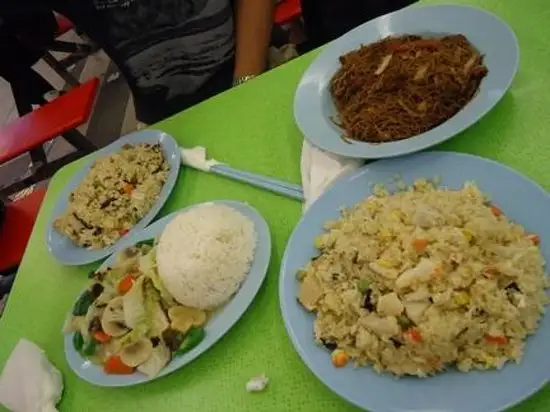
x=252, y=128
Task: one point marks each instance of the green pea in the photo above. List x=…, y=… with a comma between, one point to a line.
x=404, y=322
x=363, y=285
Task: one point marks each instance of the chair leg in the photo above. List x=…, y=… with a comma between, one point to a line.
x=79, y=141
x=60, y=70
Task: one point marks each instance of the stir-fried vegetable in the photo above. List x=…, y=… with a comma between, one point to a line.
x=114, y=366
x=89, y=348
x=128, y=321
x=83, y=304
x=102, y=337
x=191, y=340
x=125, y=284
x=78, y=341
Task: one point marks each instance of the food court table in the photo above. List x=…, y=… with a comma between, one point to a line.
x=252, y=128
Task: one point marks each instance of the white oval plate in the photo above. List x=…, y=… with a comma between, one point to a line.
x=217, y=326
x=313, y=106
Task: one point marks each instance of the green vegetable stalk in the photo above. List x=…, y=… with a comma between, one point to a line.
x=78, y=341
x=83, y=303
x=191, y=340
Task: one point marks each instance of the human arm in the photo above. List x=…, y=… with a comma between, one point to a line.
x=253, y=32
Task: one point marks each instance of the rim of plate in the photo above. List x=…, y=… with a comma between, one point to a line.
x=222, y=321
x=312, y=99
x=66, y=251
x=285, y=304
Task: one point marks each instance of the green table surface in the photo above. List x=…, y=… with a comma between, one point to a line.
x=252, y=127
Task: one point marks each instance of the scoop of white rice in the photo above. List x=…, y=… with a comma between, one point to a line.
x=204, y=254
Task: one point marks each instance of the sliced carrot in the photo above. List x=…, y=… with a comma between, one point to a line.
x=496, y=339
x=490, y=271
x=496, y=211
x=420, y=244
x=414, y=335
x=339, y=358
x=101, y=336
x=128, y=188
x=125, y=284
x=114, y=366
x=533, y=237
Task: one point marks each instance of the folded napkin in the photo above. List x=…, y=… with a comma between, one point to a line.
x=29, y=382
x=320, y=169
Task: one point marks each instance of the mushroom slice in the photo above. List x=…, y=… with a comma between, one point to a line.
x=137, y=353
x=160, y=356
x=112, y=320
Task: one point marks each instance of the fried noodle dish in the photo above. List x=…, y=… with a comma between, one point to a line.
x=403, y=86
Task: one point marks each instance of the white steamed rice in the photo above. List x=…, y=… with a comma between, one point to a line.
x=204, y=255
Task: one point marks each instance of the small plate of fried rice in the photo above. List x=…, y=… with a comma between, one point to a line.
x=116, y=193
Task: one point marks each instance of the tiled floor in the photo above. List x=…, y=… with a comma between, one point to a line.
x=113, y=113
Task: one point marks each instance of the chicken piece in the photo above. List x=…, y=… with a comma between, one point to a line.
x=419, y=295
x=389, y=305
x=386, y=272
x=420, y=273
x=415, y=310
x=385, y=327
x=310, y=292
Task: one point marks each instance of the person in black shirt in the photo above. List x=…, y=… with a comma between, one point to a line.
x=173, y=53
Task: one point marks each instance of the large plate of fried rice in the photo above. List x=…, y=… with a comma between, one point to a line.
x=420, y=284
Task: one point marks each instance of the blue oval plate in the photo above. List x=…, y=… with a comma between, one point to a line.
x=62, y=247
x=485, y=391
x=313, y=106
x=217, y=325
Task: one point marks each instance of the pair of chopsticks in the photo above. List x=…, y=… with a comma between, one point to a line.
x=196, y=158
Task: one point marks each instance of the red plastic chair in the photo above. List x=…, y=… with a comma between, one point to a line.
x=287, y=11
x=16, y=229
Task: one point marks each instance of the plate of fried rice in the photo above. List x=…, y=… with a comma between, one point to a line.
x=416, y=281
x=118, y=192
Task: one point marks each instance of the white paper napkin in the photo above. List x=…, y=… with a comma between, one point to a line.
x=320, y=169
x=29, y=382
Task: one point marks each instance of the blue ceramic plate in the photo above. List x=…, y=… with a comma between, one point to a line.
x=62, y=247
x=521, y=199
x=313, y=106
x=217, y=325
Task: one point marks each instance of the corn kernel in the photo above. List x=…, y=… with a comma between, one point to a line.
x=468, y=234
x=385, y=233
x=385, y=263
x=461, y=298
